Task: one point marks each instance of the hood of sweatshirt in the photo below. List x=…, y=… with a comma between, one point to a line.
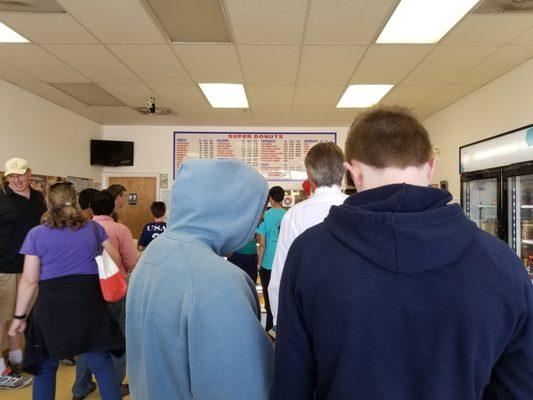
x=218, y=202
x=402, y=228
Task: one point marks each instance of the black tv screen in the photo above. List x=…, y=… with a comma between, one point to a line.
x=111, y=153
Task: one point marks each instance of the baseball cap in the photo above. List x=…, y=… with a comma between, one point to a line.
x=17, y=166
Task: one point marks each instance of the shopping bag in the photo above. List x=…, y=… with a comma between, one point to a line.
x=112, y=283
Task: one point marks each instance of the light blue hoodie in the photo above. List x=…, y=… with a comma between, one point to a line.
x=193, y=329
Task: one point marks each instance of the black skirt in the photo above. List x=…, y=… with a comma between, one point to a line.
x=70, y=317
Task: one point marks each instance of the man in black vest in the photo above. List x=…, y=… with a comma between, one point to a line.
x=21, y=209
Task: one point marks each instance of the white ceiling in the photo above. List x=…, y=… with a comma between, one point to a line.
x=294, y=57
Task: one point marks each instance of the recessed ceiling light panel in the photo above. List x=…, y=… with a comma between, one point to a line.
x=424, y=21
x=8, y=35
x=225, y=95
x=363, y=96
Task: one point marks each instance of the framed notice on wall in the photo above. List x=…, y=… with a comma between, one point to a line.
x=277, y=156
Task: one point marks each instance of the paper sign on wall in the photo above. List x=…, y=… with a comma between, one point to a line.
x=276, y=155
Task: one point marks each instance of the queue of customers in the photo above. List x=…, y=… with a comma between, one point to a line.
x=391, y=293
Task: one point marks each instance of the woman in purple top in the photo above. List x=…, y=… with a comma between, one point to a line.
x=70, y=316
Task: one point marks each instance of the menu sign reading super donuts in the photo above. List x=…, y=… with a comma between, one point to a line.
x=276, y=155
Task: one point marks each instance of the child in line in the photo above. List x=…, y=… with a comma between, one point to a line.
x=153, y=229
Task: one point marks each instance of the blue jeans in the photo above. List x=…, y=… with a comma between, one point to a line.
x=82, y=384
x=44, y=384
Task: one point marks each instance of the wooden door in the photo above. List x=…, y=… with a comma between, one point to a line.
x=135, y=216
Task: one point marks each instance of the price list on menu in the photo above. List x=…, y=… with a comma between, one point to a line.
x=277, y=156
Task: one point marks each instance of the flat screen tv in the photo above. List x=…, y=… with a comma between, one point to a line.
x=111, y=153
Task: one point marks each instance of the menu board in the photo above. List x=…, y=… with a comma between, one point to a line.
x=277, y=156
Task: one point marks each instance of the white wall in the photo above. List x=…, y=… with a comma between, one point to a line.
x=502, y=105
x=154, y=146
x=53, y=140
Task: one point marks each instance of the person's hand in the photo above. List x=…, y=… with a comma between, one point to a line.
x=16, y=327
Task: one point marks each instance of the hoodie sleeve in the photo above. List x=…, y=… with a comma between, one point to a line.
x=512, y=376
x=294, y=367
x=231, y=357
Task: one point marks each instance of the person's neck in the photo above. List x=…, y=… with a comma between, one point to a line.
x=388, y=176
x=276, y=205
x=159, y=220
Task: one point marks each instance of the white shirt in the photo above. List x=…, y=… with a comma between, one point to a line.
x=298, y=218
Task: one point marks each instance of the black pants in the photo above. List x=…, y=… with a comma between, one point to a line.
x=264, y=274
x=246, y=262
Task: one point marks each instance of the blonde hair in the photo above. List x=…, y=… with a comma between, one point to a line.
x=63, y=209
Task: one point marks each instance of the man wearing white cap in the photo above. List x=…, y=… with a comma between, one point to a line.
x=21, y=209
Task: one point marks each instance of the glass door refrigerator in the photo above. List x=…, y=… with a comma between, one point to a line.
x=518, y=231
x=497, y=188
x=481, y=200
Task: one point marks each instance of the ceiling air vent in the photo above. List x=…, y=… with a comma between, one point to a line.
x=505, y=7
x=30, y=6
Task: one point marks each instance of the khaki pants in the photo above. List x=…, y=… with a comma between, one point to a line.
x=8, y=299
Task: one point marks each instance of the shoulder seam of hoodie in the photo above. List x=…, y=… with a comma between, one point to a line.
x=513, y=299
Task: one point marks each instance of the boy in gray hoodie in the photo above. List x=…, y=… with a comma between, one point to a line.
x=193, y=329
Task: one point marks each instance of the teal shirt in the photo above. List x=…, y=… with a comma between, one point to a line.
x=250, y=248
x=269, y=228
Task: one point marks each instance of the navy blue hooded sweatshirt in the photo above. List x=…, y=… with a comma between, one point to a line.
x=397, y=295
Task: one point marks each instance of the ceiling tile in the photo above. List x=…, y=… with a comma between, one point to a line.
x=198, y=116
x=446, y=63
x=116, y=21
x=425, y=112
x=342, y=117
x=179, y=95
x=273, y=21
x=410, y=96
x=14, y=75
x=505, y=59
x=48, y=28
x=120, y=115
x=525, y=38
x=94, y=61
x=478, y=29
x=389, y=63
x=346, y=21
x=131, y=94
x=308, y=116
x=269, y=63
x=449, y=95
x=234, y=116
x=210, y=63
x=55, y=96
x=151, y=62
x=191, y=21
x=328, y=63
x=88, y=93
x=270, y=104
x=317, y=96
x=38, y=63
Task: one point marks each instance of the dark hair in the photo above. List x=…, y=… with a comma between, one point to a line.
x=116, y=190
x=86, y=197
x=63, y=210
x=103, y=203
x=324, y=162
x=277, y=193
x=388, y=137
x=158, y=209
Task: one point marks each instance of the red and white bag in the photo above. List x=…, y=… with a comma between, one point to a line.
x=112, y=282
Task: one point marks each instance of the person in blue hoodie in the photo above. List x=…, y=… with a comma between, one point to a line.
x=193, y=320
x=397, y=295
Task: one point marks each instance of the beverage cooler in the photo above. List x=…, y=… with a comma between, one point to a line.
x=497, y=189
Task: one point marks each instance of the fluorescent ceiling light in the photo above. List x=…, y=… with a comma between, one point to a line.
x=363, y=96
x=8, y=35
x=225, y=95
x=424, y=21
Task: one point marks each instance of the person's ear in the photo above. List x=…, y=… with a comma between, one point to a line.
x=431, y=170
x=355, y=171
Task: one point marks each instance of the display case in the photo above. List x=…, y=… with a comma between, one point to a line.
x=519, y=205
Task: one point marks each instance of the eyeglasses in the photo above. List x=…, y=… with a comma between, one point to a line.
x=14, y=177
